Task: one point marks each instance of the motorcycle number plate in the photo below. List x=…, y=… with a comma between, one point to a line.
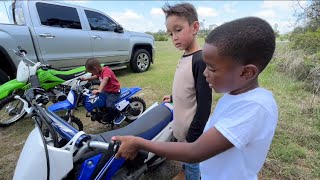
x=122, y=104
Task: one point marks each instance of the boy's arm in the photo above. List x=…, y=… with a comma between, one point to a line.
x=208, y=145
x=103, y=84
x=90, y=78
x=204, y=99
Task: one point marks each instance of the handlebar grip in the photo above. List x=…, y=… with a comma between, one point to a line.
x=114, y=147
x=143, y=154
x=34, y=81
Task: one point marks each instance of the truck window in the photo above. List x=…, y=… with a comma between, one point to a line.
x=99, y=22
x=58, y=16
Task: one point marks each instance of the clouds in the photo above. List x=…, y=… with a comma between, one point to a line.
x=267, y=13
x=128, y=18
x=280, y=12
x=205, y=12
x=156, y=12
x=148, y=16
x=281, y=5
x=230, y=7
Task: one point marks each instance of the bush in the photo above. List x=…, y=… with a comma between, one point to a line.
x=159, y=37
x=308, y=41
x=300, y=65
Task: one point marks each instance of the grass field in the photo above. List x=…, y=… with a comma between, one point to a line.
x=294, y=153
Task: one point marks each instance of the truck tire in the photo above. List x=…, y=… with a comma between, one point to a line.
x=141, y=61
x=3, y=77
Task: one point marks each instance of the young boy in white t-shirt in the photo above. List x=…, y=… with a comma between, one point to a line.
x=238, y=135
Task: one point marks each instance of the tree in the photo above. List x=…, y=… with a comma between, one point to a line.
x=275, y=29
x=310, y=16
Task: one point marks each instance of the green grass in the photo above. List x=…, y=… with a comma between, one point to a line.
x=295, y=150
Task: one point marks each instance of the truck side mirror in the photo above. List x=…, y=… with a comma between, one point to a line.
x=119, y=28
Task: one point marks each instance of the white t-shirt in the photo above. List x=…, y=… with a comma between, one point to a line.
x=248, y=121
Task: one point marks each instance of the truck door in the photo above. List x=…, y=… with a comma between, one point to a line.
x=108, y=46
x=62, y=40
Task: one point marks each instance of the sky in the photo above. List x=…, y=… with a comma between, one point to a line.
x=145, y=16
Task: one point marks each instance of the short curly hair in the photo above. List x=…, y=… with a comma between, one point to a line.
x=91, y=63
x=248, y=40
x=185, y=10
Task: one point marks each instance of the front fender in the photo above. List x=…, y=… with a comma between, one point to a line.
x=8, y=87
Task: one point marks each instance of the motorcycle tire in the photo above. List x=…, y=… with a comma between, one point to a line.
x=75, y=122
x=135, y=102
x=15, y=113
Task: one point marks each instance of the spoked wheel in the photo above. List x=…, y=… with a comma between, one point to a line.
x=136, y=107
x=11, y=110
x=75, y=122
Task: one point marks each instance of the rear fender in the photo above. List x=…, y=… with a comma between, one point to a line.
x=7, y=88
x=134, y=90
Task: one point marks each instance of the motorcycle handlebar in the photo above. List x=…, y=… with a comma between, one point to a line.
x=111, y=147
x=114, y=145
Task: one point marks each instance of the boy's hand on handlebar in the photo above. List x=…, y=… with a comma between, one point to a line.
x=83, y=79
x=95, y=92
x=129, y=147
x=166, y=98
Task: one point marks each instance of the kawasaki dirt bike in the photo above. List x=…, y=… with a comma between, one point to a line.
x=56, y=83
x=66, y=153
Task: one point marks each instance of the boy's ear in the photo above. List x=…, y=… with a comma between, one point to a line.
x=249, y=71
x=196, y=27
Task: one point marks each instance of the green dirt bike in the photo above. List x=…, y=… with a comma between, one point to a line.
x=57, y=84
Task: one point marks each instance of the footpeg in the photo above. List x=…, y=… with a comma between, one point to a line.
x=119, y=120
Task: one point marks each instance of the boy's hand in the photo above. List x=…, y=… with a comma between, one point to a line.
x=166, y=98
x=83, y=79
x=95, y=92
x=129, y=146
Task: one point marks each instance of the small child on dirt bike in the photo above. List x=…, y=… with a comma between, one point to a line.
x=109, y=88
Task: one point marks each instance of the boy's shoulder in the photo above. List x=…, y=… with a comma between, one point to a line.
x=258, y=96
x=106, y=71
x=195, y=57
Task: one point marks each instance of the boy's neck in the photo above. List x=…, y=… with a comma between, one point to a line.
x=252, y=85
x=100, y=69
x=194, y=47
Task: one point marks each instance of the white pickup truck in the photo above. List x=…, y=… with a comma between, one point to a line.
x=66, y=35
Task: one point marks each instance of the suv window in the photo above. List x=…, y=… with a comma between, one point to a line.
x=58, y=16
x=100, y=22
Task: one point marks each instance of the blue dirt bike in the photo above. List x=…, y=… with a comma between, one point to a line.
x=128, y=106
x=85, y=156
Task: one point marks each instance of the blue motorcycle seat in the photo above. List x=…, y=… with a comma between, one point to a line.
x=147, y=126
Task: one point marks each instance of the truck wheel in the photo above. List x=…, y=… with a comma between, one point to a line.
x=141, y=61
x=3, y=77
